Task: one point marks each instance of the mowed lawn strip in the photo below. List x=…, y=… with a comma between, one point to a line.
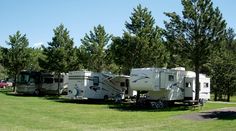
x=37, y=113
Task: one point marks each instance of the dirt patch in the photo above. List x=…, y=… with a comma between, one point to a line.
x=217, y=114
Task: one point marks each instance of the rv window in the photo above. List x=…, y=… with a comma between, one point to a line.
x=95, y=80
x=48, y=80
x=188, y=84
x=23, y=78
x=122, y=84
x=205, y=85
x=36, y=79
x=171, y=78
x=32, y=80
x=56, y=80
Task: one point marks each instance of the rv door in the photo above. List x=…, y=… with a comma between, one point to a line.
x=189, y=88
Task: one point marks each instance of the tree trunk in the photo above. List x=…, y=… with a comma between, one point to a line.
x=197, y=89
x=58, y=88
x=228, y=97
x=215, y=95
x=228, y=92
x=14, y=84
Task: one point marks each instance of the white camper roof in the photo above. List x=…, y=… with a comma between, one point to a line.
x=178, y=68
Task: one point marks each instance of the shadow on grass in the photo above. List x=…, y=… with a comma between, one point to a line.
x=148, y=108
x=10, y=92
x=225, y=114
x=124, y=106
x=6, y=90
x=21, y=95
x=221, y=115
x=63, y=99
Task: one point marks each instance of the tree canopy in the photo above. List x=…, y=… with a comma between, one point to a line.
x=93, y=49
x=17, y=56
x=59, y=52
x=194, y=35
x=141, y=45
x=223, y=68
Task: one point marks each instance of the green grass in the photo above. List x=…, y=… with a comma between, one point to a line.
x=233, y=99
x=24, y=113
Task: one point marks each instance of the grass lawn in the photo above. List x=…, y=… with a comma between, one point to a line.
x=233, y=99
x=24, y=113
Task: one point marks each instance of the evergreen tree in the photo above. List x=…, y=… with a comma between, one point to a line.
x=35, y=55
x=3, y=73
x=1, y=55
x=195, y=34
x=93, y=49
x=223, y=68
x=17, y=56
x=59, y=53
x=141, y=45
x=4, y=57
x=141, y=22
x=76, y=62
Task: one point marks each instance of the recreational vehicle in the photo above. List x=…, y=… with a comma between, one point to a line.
x=168, y=84
x=31, y=82
x=93, y=85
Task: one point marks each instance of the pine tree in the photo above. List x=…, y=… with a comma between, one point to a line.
x=223, y=67
x=59, y=53
x=35, y=55
x=141, y=45
x=195, y=33
x=17, y=56
x=3, y=73
x=93, y=49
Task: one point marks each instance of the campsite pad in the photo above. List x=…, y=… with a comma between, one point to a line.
x=228, y=113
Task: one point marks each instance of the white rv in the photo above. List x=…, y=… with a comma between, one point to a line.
x=31, y=82
x=189, y=90
x=92, y=85
x=168, y=84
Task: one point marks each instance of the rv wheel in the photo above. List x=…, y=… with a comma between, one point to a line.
x=75, y=92
x=36, y=92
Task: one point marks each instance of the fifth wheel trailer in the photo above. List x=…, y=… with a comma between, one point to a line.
x=95, y=85
x=168, y=84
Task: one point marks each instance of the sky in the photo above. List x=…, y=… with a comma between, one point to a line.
x=38, y=18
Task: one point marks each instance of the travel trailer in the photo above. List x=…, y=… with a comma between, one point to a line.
x=93, y=85
x=32, y=82
x=168, y=84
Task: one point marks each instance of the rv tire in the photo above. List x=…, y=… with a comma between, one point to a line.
x=36, y=92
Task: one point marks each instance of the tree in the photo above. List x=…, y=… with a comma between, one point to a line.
x=2, y=69
x=35, y=55
x=141, y=45
x=1, y=55
x=194, y=35
x=59, y=53
x=3, y=61
x=17, y=56
x=223, y=68
x=93, y=49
